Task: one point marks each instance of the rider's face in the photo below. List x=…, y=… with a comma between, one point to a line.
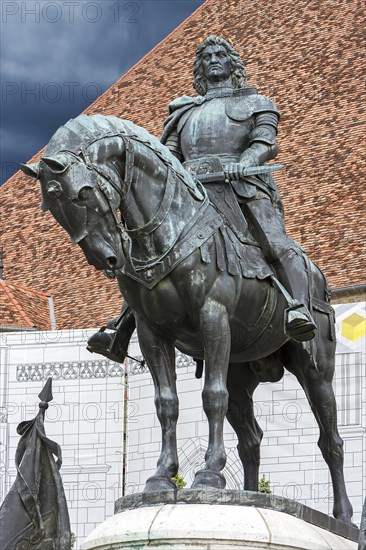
x=216, y=63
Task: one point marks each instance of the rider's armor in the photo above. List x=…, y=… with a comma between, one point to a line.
x=233, y=126
x=240, y=126
x=230, y=125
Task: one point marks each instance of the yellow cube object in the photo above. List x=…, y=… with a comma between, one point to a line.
x=354, y=327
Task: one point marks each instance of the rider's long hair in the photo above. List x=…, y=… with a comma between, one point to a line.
x=238, y=73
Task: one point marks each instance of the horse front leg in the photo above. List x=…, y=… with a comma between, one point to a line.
x=160, y=357
x=215, y=331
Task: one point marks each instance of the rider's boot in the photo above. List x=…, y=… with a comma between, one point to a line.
x=113, y=339
x=299, y=324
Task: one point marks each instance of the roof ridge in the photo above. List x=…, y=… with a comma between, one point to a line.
x=15, y=303
x=25, y=288
x=146, y=55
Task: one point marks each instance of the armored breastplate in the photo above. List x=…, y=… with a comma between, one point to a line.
x=220, y=126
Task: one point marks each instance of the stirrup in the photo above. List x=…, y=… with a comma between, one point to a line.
x=299, y=324
x=106, y=343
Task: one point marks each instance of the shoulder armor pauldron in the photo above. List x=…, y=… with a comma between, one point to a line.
x=242, y=106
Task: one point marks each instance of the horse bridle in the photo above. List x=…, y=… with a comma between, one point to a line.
x=128, y=177
x=102, y=198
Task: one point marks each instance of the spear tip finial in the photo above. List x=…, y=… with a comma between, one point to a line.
x=46, y=394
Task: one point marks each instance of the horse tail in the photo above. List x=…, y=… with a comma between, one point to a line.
x=319, y=293
x=318, y=284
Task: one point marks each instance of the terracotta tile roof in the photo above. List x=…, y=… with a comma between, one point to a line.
x=23, y=307
x=306, y=56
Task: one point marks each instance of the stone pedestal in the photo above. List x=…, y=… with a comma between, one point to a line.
x=218, y=520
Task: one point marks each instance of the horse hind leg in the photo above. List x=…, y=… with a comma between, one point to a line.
x=317, y=384
x=331, y=446
x=241, y=384
x=160, y=357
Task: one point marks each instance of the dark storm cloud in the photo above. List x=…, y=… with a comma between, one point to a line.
x=58, y=56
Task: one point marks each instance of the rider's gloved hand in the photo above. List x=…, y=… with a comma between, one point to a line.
x=234, y=170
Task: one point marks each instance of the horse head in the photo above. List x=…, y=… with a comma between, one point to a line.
x=83, y=203
x=96, y=166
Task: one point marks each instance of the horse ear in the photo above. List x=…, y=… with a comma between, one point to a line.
x=31, y=170
x=56, y=165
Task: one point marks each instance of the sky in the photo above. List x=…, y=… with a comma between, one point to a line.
x=58, y=56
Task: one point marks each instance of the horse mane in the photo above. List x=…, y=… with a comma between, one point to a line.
x=81, y=132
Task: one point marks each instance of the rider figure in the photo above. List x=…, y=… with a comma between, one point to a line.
x=232, y=124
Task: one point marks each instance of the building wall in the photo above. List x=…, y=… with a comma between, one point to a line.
x=86, y=418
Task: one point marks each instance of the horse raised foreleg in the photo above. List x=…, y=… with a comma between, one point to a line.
x=160, y=357
x=317, y=384
x=241, y=384
x=215, y=331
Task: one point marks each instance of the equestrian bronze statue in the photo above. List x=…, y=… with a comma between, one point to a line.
x=196, y=273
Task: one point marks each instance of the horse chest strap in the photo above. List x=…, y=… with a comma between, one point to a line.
x=162, y=211
x=206, y=226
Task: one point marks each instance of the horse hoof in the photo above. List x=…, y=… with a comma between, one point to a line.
x=209, y=478
x=159, y=483
x=346, y=518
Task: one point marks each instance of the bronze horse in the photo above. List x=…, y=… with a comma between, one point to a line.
x=192, y=285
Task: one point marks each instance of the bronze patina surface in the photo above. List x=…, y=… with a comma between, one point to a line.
x=202, y=259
